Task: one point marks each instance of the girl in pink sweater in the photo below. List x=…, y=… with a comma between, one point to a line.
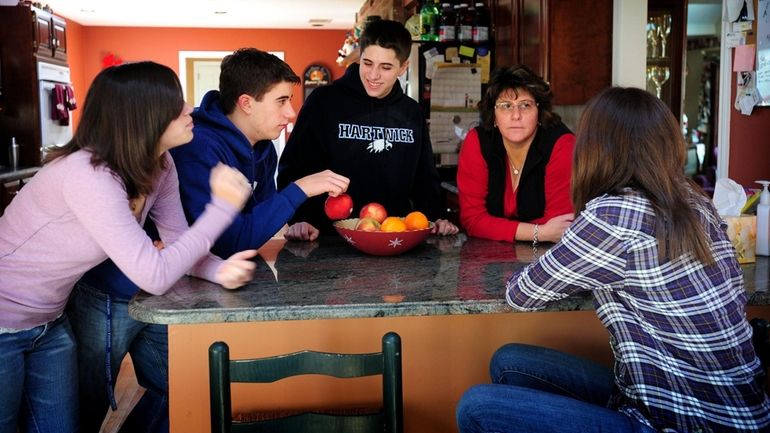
x=86, y=204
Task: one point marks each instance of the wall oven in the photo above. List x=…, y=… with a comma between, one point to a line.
x=53, y=132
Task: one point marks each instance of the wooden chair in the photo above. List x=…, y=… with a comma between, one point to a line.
x=389, y=419
x=761, y=341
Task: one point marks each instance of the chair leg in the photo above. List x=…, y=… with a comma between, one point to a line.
x=392, y=399
x=219, y=381
x=761, y=341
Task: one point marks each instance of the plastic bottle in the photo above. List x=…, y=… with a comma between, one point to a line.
x=465, y=23
x=763, y=220
x=481, y=22
x=429, y=21
x=447, y=24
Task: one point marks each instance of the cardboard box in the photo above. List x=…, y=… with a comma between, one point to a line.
x=742, y=231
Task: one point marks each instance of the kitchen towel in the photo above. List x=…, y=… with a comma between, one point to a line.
x=58, y=105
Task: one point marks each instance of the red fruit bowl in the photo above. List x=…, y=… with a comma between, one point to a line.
x=380, y=243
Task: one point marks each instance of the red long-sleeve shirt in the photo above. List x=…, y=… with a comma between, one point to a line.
x=472, y=184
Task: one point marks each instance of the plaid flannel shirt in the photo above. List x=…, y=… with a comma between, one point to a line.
x=683, y=355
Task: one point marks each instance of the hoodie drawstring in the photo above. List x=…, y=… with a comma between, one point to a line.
x=108, y=356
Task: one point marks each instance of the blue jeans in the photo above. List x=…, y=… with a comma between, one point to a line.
x=38, y=386
x=148, y=346
x=541, y=390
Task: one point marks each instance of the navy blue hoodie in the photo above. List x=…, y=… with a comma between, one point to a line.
x=216, y=139
x=382, y=145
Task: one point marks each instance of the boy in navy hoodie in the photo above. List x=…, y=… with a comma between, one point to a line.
x=233, y=126
x=364, y=127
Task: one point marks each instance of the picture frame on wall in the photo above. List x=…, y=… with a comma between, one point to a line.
x=315, y=75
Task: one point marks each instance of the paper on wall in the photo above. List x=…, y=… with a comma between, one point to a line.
x=744, y=58
x=733, y=39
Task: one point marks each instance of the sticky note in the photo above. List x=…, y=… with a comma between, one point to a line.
x=466, y=51
x=744, y=58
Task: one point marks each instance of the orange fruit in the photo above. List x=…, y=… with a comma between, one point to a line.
x=393, y=224
x=416, y=221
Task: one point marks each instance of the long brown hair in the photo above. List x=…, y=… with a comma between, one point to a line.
x=629, y=138
x=126, y=111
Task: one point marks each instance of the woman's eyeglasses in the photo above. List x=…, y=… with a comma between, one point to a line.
x=523, y=107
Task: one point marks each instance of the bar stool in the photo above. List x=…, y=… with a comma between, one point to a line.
x=223, y=371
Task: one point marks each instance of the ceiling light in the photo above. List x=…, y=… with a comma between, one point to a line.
x=318, y=22
x=220, y=12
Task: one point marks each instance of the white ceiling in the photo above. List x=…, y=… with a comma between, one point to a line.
x=250, y=14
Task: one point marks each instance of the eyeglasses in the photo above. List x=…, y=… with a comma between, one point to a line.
x=524, y=107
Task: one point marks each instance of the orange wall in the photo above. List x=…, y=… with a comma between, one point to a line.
x=88, y=45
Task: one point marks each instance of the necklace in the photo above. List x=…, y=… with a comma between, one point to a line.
x=513, y=168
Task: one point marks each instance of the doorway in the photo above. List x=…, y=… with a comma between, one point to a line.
x=701, y=90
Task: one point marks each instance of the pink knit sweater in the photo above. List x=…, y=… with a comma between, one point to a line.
x=72, y=216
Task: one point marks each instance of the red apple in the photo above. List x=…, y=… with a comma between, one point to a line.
x=368, y=224
x=375, y=211
x=339, y=207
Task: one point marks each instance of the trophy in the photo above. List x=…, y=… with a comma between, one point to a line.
x=664, y=29
x=659, y=75
x=652, y=37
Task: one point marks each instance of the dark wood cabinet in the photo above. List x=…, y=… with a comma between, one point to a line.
x=33, y=42
x=49, y=34
x=566, y=42
x=667, y=21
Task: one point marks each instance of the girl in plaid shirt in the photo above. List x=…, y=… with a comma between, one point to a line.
x=667, y=287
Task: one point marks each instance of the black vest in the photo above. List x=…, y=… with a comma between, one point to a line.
x=530, y=198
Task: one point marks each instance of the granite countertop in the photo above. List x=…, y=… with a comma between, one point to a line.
x=328, y=279
x=7, y=175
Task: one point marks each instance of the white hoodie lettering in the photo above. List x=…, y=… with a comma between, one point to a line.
x=379, y=138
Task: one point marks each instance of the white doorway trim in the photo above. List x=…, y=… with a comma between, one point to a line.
x=184, y=55
x=725, y=104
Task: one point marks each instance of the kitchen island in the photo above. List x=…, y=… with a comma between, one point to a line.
x=445, y=298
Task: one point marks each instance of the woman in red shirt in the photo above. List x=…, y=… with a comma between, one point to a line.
x=514, y=170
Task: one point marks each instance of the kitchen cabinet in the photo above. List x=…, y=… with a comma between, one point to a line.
x=49, y=35
x=567, y=43
x=56, y=38
x=33, y=46
x=666, y=51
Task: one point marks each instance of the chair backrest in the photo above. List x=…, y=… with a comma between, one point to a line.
x=223, y=371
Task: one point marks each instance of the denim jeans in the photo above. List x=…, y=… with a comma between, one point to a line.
x=38, y=386
x=148, y=346
x=541, y=390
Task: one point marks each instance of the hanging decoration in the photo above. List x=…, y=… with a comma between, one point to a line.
x=111, y=59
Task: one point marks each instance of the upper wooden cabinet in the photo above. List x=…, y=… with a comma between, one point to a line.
x=568, y=43
x=34, y=32
x=50, y=35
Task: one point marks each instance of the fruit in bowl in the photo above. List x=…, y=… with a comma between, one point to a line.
x=380, y=243
x=375, y=211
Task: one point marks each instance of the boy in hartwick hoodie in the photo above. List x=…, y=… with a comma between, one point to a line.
x=364, y=127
